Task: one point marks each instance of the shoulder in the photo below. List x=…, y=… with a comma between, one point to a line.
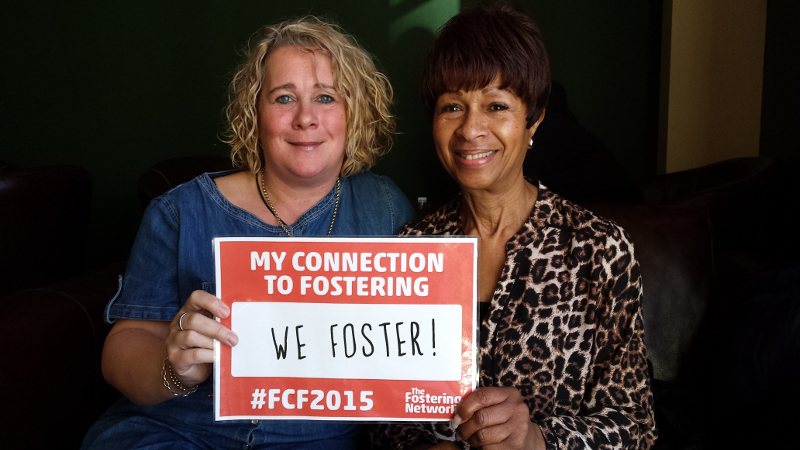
x=560, y=230
x=379, y=195
x=445, y=221
x=201, y=188
x=598, y=242
x=234, y=186
x=368, y=182
x=555, y=211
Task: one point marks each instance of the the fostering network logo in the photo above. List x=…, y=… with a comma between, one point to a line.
x=419, y=402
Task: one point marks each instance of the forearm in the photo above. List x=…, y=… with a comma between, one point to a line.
x=606, y=430
x=132, y=362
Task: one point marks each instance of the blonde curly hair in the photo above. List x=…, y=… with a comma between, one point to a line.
x=367, y=93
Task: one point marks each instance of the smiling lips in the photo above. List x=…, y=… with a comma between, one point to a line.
x=306, y=144
x=471, y=156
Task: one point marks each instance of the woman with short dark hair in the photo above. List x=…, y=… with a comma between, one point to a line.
x=562, y=357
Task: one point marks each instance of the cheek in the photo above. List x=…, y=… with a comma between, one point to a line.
x=515, y=135
x=511, y=130
x=272, y=123
x=444, y=160
x=440, y=140
x=342, y=124
x=441, y=135
x=336, y=124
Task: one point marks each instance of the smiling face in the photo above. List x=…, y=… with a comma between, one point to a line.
x=302, y=120
x=481, y=137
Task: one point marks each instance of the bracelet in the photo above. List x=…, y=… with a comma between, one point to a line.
x=175, y=381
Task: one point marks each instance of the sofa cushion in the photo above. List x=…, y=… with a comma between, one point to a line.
x=44, y=224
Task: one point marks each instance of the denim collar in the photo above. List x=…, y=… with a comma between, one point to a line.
x=322, y=208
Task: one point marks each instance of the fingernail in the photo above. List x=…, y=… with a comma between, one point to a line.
x=455, y=422
x=233, y=339
x=226, y=310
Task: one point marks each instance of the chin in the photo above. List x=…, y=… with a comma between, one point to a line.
x=310, y=173
x=475, y=183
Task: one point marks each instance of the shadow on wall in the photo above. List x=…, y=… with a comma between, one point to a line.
x=413, y=163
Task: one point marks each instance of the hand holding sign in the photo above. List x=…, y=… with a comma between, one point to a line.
x=191, y=350
x=496, y=418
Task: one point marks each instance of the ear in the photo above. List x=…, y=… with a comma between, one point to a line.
x=536, y=124
x=532, y=129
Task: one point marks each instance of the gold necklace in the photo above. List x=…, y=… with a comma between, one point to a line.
x=268, y=202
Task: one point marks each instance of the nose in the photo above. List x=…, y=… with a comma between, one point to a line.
x=473, y=125
x=305, y=115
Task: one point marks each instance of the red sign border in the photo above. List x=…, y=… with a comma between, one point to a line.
x=423, y=239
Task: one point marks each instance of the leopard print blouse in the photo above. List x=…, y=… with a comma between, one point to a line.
x=564, y=327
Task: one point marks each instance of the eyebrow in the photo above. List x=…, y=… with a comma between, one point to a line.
x=485, y=89
x=290, y=86
x=494, y=88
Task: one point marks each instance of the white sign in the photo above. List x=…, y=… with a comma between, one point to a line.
x=352, y=341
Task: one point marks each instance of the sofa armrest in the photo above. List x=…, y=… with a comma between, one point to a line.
x=53, y=389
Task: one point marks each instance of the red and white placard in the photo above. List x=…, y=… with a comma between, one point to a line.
x=346, y=328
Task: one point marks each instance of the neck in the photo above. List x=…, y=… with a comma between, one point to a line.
x=291, y=200
x=497, y=214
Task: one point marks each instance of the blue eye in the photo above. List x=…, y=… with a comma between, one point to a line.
x=283, y=99
x=325, y=98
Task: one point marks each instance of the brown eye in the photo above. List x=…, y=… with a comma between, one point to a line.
x=452, y=107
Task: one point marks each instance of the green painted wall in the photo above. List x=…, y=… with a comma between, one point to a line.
x=115, y=86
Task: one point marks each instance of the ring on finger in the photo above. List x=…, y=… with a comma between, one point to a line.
x=180, y=321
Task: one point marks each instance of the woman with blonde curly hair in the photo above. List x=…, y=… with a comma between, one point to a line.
x=308, y=115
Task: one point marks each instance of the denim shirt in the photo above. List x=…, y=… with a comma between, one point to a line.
x=173, y=253
x=173, y=256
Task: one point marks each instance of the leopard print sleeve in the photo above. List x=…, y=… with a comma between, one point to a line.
x=396, y=436
x=617, y=407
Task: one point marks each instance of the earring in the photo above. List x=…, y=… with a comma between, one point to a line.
x=530, y=145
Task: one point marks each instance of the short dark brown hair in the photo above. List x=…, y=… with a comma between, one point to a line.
x=477, y=45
